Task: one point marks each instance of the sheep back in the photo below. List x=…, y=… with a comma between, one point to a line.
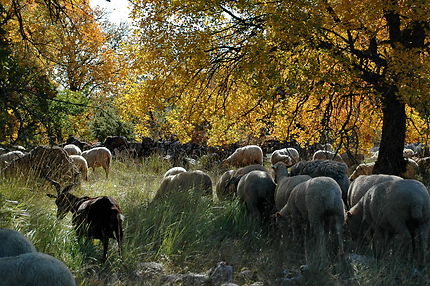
x=34, y=269
x=184, y=181
x=325, y=168
x=285, y=187
x=362, y=184
x=98, y=157
x=246, y=155
x=72, y=149
x=174, y=171
x=256, y=190
x=13, y=243
x=326, y=155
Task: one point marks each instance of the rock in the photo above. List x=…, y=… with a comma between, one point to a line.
x=246, y=275
x=221, y=273
x=193, y=279
x=229, y=284
x=150, y=272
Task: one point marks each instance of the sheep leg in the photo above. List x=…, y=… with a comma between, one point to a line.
x=105, y=241
x=106, y=171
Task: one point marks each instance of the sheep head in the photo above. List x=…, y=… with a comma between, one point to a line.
x=63, y=199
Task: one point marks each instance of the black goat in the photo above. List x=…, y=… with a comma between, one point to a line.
x=99, y=217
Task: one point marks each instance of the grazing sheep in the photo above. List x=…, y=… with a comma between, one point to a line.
x=289, y=156
x=99, y=217
x=408, y=153
x=54, y=159
x=98, y=157
x=9, y=157
x=394, y=207
x=34, y=269
x=318, y=204
x=173, y=171
x=327, y=168
x=247, y=155
x=72, y=149
x=326, y=155
x=285, y=187
x=362, y=184
x=230, y=186
x=256, y=190
x=13, y=243
x=82, y=165
x=185, y=181
x=362, y=169
x=412, y=170
x=221, y=186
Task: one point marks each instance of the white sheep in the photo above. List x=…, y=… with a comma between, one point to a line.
x=247, y=155
x=184, y=181
x=82, y=165
x=411, y=172
x=256, y=190
x=394, y=207
x=9, y=157
x=362, y=169
x=289, y=156
x=98, y=157
x=72, y=149
x=326, y=155
x=408, y=153
x=362, y=184
x=34, y=269
x=326, y=168
x=173, y=171
x=318, y=204
x=13, y=243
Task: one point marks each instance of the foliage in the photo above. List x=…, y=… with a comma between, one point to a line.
x=252, y=70
x=107, y=122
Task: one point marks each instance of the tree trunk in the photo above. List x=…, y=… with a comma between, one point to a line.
x=390, y=159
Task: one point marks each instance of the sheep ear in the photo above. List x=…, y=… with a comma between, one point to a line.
x=51, y=196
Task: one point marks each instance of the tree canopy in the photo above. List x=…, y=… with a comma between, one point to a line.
x=337, y=71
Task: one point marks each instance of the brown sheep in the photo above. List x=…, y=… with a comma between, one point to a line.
x=184, y=181
x=247, y=155
x=98, y=157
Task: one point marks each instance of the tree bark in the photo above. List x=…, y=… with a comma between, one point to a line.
x=390, y=159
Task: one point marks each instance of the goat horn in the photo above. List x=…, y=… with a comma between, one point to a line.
x=55, y=183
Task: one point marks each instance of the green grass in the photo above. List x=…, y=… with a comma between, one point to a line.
x=186, y=232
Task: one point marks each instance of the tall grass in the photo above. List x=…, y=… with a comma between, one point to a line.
x=186, y=232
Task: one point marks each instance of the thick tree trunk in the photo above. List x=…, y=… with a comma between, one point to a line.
x=390, y=159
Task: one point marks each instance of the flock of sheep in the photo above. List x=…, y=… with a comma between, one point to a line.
x=305, y=198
